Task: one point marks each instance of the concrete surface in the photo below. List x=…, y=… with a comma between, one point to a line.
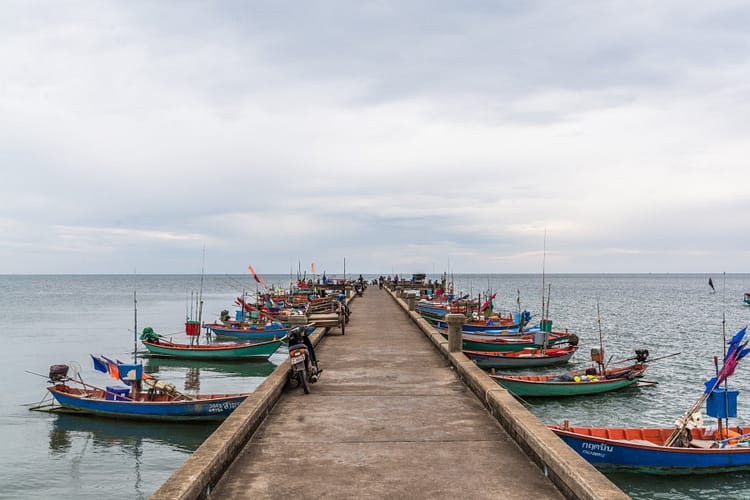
x=388, y=419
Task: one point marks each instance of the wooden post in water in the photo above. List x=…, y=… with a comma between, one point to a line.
x=455, y=331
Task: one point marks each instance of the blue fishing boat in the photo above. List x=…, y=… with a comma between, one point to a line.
x=270, y=331
x=687, y=448
x=643, y=450
x=494, y=325
x=142, y=398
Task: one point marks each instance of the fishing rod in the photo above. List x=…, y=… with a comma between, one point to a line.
x=650, y=360
x=84, y=384
x=38, y=374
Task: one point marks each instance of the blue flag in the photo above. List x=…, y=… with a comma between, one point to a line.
x=734, y=343
x=99, y=364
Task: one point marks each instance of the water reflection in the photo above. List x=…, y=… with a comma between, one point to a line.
x=229, y=368
x=82, y=441
x=129, y=436
x=193, y=380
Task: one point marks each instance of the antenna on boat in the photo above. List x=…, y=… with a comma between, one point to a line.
x=544, y=261
x=724, y=345
x=601, y=343
x=135, y=326
x=200, y=296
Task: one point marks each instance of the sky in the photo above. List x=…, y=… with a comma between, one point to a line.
x=387, y=136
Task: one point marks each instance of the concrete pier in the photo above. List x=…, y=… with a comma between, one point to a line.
x=395, y=415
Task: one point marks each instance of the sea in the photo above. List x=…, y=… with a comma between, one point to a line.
x=62, y=319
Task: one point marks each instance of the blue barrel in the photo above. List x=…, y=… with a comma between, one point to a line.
x=117, y=393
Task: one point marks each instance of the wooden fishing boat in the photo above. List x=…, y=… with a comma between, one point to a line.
x=525, y=358
x=747, y=298
x=113, y=403
x=437, y=310
x=255, y=332
x=512, y=343
x=160, y=401
x=573, y=383
x=687, y=448
x=643, y=449
x=256, y=350
x=497, y=325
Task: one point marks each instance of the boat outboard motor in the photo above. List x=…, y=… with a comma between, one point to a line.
x=641, y=355
x=58, y=373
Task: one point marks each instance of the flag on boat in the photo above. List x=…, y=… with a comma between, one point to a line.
x=255, y=276
x=127, y=372
x=99, y=364
x=488, y=302
x=735, y=352
x=312, y=266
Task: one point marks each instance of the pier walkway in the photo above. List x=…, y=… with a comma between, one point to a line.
x=389, y=418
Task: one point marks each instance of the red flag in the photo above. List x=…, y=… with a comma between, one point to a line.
x=312, y=266
x=487, y=303
x=254, y=275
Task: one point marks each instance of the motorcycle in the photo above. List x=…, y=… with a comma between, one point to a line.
x=303, y=364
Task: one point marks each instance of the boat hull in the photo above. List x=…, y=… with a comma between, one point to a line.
x=505, y=344
x=561, y=389
x=504, y=360
x=573, y=383
x=247, y=333
x=636, y=455
x=202, y=408
x=490, y=330
x=259, y=350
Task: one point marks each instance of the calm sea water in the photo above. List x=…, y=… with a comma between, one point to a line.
x=59, y=319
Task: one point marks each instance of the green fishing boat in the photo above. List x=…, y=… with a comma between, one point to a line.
x=158, y=346
x=575, y=383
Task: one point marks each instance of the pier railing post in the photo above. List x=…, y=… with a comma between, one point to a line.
x=455, y=331
x=411, y=300
x=297, y=320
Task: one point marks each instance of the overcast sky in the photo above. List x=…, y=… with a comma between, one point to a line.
x=406, y=136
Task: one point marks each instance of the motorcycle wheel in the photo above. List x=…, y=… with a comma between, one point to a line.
x=302, y=379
